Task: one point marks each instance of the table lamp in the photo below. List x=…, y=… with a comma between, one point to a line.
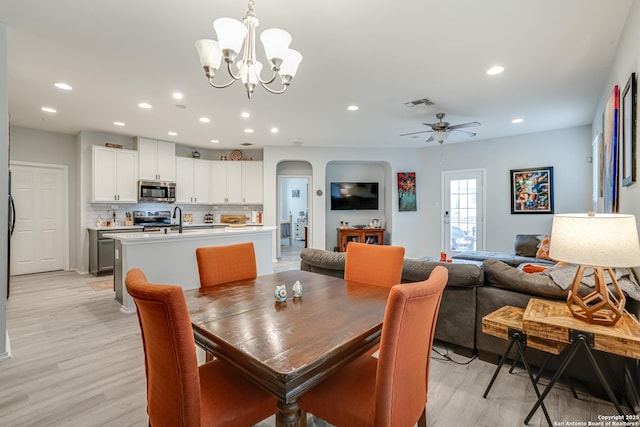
x=598, y=242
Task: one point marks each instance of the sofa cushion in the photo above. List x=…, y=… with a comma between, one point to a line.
x=501, y=275
x=460, y=275
x=526, y=245
x=513, y=260
x=323, y=262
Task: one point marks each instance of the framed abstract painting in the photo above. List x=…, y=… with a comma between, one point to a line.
x=532, y=191
x=407, y=191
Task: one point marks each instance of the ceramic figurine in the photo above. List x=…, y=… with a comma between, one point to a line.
x=297, y=289
x=281, y=293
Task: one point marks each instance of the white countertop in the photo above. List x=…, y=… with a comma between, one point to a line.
x=187, y=234
x=186, y=225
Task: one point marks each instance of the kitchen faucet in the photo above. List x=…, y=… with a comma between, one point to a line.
x=178, y=208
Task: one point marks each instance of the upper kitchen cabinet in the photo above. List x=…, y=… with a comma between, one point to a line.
x=156, y=160
x=252, y=186
x=114, y=175
x=193, y=180
x=226, y=182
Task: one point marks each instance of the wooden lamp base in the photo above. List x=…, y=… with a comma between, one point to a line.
x=600, y=307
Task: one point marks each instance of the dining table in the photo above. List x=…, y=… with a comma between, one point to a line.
x=288, y=347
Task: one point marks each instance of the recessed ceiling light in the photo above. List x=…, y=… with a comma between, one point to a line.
x=518, y=120
x=49, y=110
x=205, y=119
x=144, y=105
x=274, y=130
x=215, y=141
x=177, y=95
x=353, y=108
x=248, y=130
x=118, y=123
x=63, y=86
x=496, y=69
x=172, y=133
x=245, y=114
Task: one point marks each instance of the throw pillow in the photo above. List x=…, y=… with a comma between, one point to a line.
x=526, y=244
x=532, y=268
x=543, y=248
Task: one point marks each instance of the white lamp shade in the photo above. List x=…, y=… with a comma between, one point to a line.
x=440, y=135
x=231, y=33
x=276, y=42
x=600, y=240
x=290, y=63
x=209, y=53
x=249, y=73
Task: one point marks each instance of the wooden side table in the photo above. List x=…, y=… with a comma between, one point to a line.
x=552, y=320
x=372, y=236
x=506, y=323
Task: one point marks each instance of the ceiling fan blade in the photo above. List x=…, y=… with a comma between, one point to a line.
x=431, y=138
x=415, y=133
x=464, y=125
x=463, y=131
x=429, y=124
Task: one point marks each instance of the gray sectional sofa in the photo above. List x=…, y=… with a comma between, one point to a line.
x=475, y=289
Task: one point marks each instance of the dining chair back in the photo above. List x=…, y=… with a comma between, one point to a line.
x=390, y=391
x=374, y=264
x=224, y=264
x=179, y=392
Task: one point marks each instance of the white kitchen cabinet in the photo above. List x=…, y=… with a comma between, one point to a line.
x=252, y=183
x=114, y=175
x=226, y=182
x=156, y=160
x=193, y=180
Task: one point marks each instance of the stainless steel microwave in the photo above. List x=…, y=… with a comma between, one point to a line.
x=156, y=191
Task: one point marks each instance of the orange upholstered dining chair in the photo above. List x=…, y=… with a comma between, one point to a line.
x=390, y=391
x=374, y=264
x=224, y=264
x=179, y=392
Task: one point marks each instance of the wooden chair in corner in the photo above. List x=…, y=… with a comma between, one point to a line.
x=390, y=391
x=179, y=392
x=374, y=264
x=224, y=264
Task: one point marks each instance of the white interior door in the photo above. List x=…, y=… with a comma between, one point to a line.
x=38, y=243
x=463, y=210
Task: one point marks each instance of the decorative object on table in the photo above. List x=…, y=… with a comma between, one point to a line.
x=231, y=34
x=296, y=290
x=195, y=154
x=375, y=223
x=295, y=193
x=610, y=154
x=236, y=155
x=628, y=132
x=407, y=192
x=280, y=293
x=532, y=191
x=598, y=242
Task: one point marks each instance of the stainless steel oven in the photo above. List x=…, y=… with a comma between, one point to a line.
x=156, y=191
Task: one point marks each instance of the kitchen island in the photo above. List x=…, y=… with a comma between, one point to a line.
x=170, y=258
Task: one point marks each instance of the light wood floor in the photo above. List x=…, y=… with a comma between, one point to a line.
x=77, y=361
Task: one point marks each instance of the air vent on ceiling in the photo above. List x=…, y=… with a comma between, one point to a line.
x=413, y=104
x=246, y=144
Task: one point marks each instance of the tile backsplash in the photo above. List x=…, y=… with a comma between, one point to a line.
x=105, y=211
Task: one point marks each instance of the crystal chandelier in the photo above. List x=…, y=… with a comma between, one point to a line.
x=231, y=35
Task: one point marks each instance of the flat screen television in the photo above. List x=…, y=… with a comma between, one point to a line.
x=354, y=196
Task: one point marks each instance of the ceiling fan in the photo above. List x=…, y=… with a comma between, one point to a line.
x=441, y=129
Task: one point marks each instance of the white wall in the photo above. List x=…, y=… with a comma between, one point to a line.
x=567, y=150
x=4, y=186
x=626, y=61
x=402, y=224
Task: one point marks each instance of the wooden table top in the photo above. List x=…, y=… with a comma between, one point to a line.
x=288, y=347
x=508, y=317
x=553, y=319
